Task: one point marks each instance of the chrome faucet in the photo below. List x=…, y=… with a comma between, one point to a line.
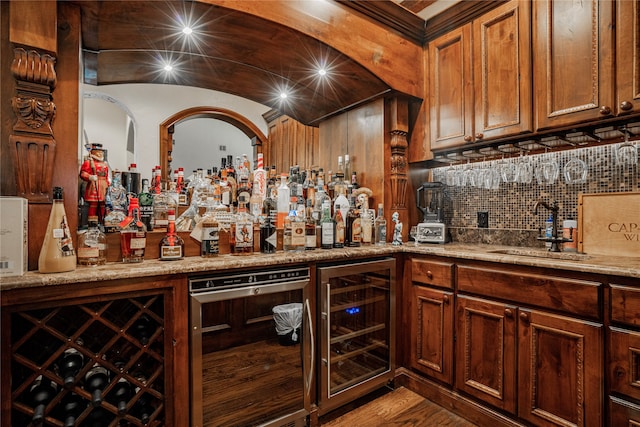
x=554, y=218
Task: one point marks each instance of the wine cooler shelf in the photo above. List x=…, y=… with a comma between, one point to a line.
x=98, y=363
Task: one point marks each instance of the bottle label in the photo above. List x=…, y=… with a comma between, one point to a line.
x=327, y=233
x=298, y=236
x=356, y=231
x=244, y=234
x=88, y=252
x=138, y=243
x=310, y=241
x=170, y=252
x=210, y=240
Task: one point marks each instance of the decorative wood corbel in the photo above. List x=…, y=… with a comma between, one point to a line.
x=31, y=142
x=399, y=147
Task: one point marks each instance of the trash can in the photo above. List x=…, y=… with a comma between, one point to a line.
x=288, y=318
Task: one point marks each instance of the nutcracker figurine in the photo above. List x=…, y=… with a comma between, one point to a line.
x=95, y=171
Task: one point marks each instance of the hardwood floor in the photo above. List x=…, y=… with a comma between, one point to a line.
x=400, y=407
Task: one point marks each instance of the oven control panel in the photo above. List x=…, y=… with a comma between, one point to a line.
x=250, y=278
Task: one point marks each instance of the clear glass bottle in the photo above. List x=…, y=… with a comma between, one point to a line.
x=133, y=234
x=380, y=227
x=162, y=203
x=293, y=237
x=353, y=236
x=259, y=188
x=210, y=242
x=284, y=197
x=145, y=201
x=340, y=191
x=311, y=241
x=171, y=245
x=57, y=254
x=116, y=203
x=366, y=222
x=339, y=235
x=241, y=231
x=327, y=226
x=92, y=246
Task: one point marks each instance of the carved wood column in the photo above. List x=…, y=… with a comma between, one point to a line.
x=31, y=143
x=397, y=111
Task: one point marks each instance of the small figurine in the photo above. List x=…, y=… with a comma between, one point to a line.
x=397, y=229
x=95, y=171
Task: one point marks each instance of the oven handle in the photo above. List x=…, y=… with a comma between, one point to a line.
x=313, y=351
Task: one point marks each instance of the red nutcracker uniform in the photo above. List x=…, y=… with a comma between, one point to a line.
x=95, y=171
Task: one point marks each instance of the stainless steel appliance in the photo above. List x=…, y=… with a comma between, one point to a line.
x=430, y=201
x=241, y=374
x=357, y=335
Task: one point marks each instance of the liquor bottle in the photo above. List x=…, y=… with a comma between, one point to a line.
x=171, y=245
x=120, y=395
x=260, y=180
x=142, y=329
x=327, y=226
x=183, y=199
x=92, y=246
x=347, y=167
x=353, y=236
x=231, y=170
x=210, y=242
x=380, y=227
x=225, y=189
x=284, y=197
x=57, y=254
x=70, y=364
x=311, y=241
x=366, y=222
x=95, y=381
x=41, y=393
x=162, y=203
x=145, y=201
x=340, y=191
x=241, y=231
x=156, y=180
x=116, y=202
x=243, y=190
x=339, y=235
x=71, y=407
x=354, y=180
x=268, y=233
x=293, y=237
x=133, y=235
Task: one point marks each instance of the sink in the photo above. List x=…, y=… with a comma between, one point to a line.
x=541, y=253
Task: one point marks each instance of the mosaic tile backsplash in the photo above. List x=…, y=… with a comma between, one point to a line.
x=508, y=188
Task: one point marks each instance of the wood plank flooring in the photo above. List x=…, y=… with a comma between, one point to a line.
x=400, y=407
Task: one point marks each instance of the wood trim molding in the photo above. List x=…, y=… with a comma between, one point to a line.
x=231, y=117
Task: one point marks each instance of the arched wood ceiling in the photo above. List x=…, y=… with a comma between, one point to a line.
x=230, y=51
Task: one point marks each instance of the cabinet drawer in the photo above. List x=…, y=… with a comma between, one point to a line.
x=625, y=305
x=574, y=296
x=624, y=364
x=435, y=273
x=623, y=413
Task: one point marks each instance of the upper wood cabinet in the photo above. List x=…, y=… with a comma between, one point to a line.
x=628, y=57
x=480, y=78
x=573, y=47
x=290, y=143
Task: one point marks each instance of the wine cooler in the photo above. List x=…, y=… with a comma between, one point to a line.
x=356, y=330
x=96, y=363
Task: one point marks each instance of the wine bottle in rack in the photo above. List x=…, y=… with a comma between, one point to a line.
x=120, y=395
x=142, y=329
x=70, y=364
x=41, y=393
x=71, y=407
x=95, y=381
x=143, y=409
x=99, y=417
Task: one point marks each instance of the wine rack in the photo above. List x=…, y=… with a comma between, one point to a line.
x=124, y=338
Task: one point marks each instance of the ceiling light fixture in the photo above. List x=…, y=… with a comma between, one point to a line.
x=283, y=95
x=322, y=72
x=168, y=68
x=187, y=30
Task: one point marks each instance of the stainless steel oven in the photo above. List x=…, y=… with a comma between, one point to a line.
x=243, y=371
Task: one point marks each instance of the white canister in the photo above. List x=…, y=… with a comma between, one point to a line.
x=570, y=231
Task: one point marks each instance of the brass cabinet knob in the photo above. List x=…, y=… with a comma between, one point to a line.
x=445, y=299
x=605, y=111
x=524, y=317
x=429, y=274
x=508, y=313
x=468, y=138
x=479, y=135
x=626, y=106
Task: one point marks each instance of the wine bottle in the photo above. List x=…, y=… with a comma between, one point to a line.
x=71, y=407
x=70, y=364
x=120, y=395
x=99, y=417
x=95, y=381
x=142, y=329
x=41, y=392
x=143, y=409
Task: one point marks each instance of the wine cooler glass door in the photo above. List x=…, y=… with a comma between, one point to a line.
x=357, y=330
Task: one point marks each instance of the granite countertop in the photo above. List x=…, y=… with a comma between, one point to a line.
x=616, y=266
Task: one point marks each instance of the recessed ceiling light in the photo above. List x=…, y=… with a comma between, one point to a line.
x=322, y=71
x=283, y=95
x=187, y=30
x=168, y=68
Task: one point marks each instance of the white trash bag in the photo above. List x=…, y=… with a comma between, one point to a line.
x=288, y=318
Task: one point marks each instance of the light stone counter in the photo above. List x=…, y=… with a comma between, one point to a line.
x=615, y=266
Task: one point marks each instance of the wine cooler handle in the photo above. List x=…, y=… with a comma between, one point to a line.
x=313, y=350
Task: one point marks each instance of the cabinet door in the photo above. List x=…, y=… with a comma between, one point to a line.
x=623, y=414
x=432, y=333
x=486, y=351
x=628, y=56
x=573, y=67
x=624, y=351
x=560, y=370
x=502, y=71
x=450, y=89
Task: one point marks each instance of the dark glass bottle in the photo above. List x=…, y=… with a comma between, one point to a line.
x=268, y=234
x=41, y=392
x=94, y=382
x=70, y=364
x=71, y=407
x=354, y=225
x=120, y=395
x=142, y=329
x=143, y=409
x=99, y=417
x=145, y=201
x=339, y=233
